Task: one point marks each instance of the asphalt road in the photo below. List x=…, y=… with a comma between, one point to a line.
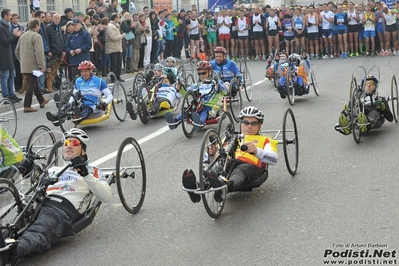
x=343, y=194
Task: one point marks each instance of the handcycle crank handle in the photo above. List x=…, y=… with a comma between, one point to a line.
x=244, y=147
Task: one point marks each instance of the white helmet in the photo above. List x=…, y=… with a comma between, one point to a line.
x=77, y=133
x=252, y=111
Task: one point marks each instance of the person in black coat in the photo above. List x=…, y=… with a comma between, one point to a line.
x=155, y=36
x=7, y=38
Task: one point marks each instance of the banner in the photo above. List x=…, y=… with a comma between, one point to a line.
x=220, y=4
x=162, y=4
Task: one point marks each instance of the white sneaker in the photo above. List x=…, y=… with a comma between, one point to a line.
x=331, y=57
x=394, y=52
x=264, y=57
x=257, y=58
x=326, y=56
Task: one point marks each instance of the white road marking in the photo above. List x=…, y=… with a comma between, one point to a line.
x=140, y=141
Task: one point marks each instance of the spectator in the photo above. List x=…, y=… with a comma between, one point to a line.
x=56, y=46
x=67, y=17
x=7, y=38
x=161, y=31
x=103, y=9
x=77, y=48
x=136, y=43
x=42, y=79
x=68, y=31
x=113, y=45
x=34, y=6
x=106, y=62
x=170, y=29
x=155, y=36
x=18, y=84
x=95, y=31
x=80, y=16
x=148, y=35
x=92, y=6
x=144, y=28
x=115, y=8
x=47, y=18
x=178, y=43
x=126, y=27
x=30, y=52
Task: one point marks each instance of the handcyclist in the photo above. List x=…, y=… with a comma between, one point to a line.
x=69, y=195
x=211, y=91
x=226, y=68
x=10, y=154
x=166, y=92
x=301, y=66
x=376, y=110
x=249, y=163
x=91, y=87
x=170, y=66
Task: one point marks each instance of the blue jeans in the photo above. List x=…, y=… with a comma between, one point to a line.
x=203, y=114
x=161, y=47
x=7, y=83
x=128, y=52
x=106, y=60
x=41, y=80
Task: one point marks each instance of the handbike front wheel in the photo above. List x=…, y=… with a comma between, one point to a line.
x=55, y=155
x=207, y=162
x=394, y=98
x=290, y=142
x=187, y=108
x=10, y=206
x=225, y=124
x=119, y=101
x=290, y=92
x=355, y=110
x=142, y=106
x=235, y=100
x=130, y=175
x=248, y=86
x=8, y=116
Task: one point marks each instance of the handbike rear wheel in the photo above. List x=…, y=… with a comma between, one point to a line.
x=394, y=98
x=130, y=175
x=8, y=116
x=187, y=108
x=248, y=86
x=314, y=83
x=290, y=138
x=225, y=124
x=142, y=106
x=119, y=101
x=55, y=155
x=206, y=163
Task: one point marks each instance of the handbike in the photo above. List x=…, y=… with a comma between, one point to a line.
x=226, y=141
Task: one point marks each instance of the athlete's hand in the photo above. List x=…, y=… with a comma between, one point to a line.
x=79, y=164
x=379, y=105
x=103, y=106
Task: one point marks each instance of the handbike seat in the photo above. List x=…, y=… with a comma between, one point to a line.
x=80, y=221
x=257, y=183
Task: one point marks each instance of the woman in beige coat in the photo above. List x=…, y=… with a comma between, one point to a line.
x=113, y=45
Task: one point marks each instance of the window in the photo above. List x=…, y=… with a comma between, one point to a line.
x=75, y=5
x=50, y=5
x=23, y=10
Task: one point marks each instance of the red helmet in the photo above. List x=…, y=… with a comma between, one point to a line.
x=86, y=65
x=204, y=65
x=220, y=49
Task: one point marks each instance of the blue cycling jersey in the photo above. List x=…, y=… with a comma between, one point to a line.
x=227, y=70
x=91, y=89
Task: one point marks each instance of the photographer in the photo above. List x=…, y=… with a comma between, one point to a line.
x=73, y=189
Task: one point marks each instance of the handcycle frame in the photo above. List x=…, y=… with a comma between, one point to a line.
x=357, y=95
x=68, y=111
x=226, y=142
x=24, y=208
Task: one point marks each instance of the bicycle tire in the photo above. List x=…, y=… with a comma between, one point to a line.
x=212, y=207
x=188, y=107
x=119, y=101
x=248, y=87
x=290, y=139
x=394, y=98
x=67, y=111
x=142, y=105
x=11, y=206
x=8, y=117
x=235, y=108
x=225, y=124
x=314, y=83
x=131, y=185
x=111, y=78
x=55, y=155
x=355, y=110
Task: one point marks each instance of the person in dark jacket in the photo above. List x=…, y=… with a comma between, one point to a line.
x=77, y=47
x=155, y=36
x=69, y=14
x=6, y=56
x=42, y=17
x=56, y=46
x=18, y=80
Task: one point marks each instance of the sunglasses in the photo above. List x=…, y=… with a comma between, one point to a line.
x=202, y=73
x=253, y=123
x=370, y=83
x=169, y=62
x=72, y=142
